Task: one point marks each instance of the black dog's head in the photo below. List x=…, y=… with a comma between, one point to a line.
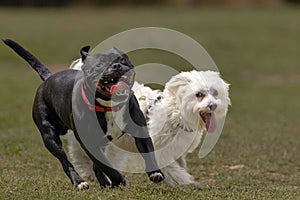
x=109, y=74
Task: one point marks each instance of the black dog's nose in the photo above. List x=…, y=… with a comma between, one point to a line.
x=117, y=67
x=212, y=106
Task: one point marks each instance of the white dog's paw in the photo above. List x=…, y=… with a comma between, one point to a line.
x=198, y=185
x=156, y=177
x=83, y=186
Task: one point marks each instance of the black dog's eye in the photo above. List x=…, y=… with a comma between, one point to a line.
x=123, y=61
x=199, y=95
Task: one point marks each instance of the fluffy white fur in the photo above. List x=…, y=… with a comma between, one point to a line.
x=175, y=125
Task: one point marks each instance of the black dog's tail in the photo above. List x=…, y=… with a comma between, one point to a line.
x=39, y=67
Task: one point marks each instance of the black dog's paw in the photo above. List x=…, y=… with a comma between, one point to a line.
x=156, y=177
x=83, y=186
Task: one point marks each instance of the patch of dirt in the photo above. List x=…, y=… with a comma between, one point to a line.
x=235, y=167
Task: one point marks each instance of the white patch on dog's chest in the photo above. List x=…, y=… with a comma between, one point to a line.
x=115, y=123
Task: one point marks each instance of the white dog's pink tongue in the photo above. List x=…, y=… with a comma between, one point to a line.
x=210, y=122
x=119, y=87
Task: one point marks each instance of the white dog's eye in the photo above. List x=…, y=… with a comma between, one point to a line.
x=199, y=95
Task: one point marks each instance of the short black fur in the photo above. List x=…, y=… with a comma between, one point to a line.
x=55, y=110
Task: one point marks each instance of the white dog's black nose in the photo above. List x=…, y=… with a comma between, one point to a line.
x=212, y=106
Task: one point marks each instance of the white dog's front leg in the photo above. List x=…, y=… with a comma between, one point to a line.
x=117, y=157
x=176, y=174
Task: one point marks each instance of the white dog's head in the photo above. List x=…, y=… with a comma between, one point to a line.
x=200, y=96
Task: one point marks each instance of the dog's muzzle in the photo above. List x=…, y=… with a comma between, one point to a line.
x=118, y=86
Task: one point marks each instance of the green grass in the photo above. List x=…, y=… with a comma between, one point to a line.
x=256, y=50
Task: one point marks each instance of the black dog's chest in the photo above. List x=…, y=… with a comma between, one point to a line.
x=112, y=124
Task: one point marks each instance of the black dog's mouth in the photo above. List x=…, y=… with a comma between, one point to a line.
x=118, y=86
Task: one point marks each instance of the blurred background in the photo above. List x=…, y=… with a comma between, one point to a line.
x=143, y=2
x=255, y=44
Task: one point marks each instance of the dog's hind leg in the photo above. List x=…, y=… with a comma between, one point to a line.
x=54, y=145
x=50, y=133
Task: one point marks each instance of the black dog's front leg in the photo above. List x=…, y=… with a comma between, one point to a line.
x=102, y=179
x=143, y=141
x=145, y=147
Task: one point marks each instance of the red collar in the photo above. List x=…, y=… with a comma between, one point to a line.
x=97, y=108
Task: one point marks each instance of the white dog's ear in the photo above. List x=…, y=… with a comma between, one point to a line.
x=226, y=86
x=177, y=81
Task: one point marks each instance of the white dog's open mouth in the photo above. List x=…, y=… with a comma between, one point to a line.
x=210, y=121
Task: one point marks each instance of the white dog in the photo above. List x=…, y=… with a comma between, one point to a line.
x=190, y=104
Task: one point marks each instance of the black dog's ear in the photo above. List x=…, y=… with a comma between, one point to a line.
x=84, y=52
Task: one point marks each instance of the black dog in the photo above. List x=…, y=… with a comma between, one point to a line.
x=62, y=102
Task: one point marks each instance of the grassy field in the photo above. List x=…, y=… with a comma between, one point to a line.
x=256, y=50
